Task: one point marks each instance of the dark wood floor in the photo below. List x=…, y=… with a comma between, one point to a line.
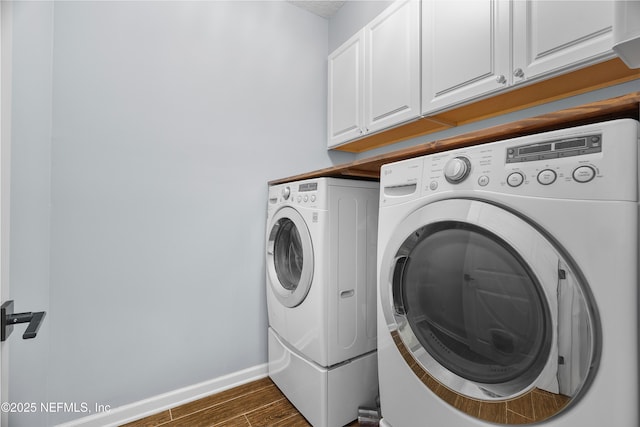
x=256, y=404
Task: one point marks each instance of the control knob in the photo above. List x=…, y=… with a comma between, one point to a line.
x=286, y=192
x=584, y=174
x=457, y=169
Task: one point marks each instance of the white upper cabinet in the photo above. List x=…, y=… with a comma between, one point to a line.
x=466, y=50
x=374, y=77
x=550, y=37
x=346, y=91
x=420, y=57
x=472, y=48
x=392, y=71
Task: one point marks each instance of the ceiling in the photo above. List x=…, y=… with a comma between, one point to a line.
x=324, y=8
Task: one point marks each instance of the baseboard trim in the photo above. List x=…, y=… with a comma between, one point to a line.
x=153, y=405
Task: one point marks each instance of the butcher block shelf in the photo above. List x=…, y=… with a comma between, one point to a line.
x=626, y=106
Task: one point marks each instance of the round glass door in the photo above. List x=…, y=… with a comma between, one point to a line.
x=289, y=257
x=473, y=304
x=478, y=297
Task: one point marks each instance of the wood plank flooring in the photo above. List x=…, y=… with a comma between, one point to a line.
x=256, y=404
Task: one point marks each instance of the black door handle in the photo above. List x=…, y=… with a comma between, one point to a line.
x=8, y=319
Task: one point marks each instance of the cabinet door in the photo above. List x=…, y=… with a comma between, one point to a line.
x=465, y=50
x=392, y=72
x=557, y=36
x=346, y=90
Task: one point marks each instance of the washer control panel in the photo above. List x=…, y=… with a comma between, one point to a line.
x=591, y=162
x=307, y=192
x=295, y=193
x=484, y=167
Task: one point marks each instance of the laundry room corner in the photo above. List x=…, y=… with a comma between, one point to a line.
x=319, y=213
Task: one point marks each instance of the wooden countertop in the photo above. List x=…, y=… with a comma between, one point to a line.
x=626, y=106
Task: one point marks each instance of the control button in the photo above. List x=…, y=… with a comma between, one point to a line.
x=515, y=179
x=313, y=198
x=584, y=174
x=286, y=192
x=483, y=181
x=457, y=169
x=433, y=185
x=306, y=199
x=547, y=177
x=299, y=199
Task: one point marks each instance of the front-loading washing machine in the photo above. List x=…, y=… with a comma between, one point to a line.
x=321, y=296
x=508, y=283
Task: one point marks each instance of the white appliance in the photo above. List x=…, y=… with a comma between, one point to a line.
x=321, y=296
x=508, y=283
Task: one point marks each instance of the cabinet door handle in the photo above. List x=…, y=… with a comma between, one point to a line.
x=501, y=79
x=518, y=72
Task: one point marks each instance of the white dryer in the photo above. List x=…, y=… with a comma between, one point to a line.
x=508, y=283
x=321, y=296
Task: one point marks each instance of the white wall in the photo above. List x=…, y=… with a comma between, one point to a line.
x=351, y=17
x=145, y=134
x=30, y=201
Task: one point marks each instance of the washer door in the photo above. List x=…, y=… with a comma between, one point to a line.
x=289, y=257
x=490, y=309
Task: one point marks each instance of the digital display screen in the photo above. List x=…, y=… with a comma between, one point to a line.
x=311, y=186
x=534, y=149
x=572, y=143
x=559, y=148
